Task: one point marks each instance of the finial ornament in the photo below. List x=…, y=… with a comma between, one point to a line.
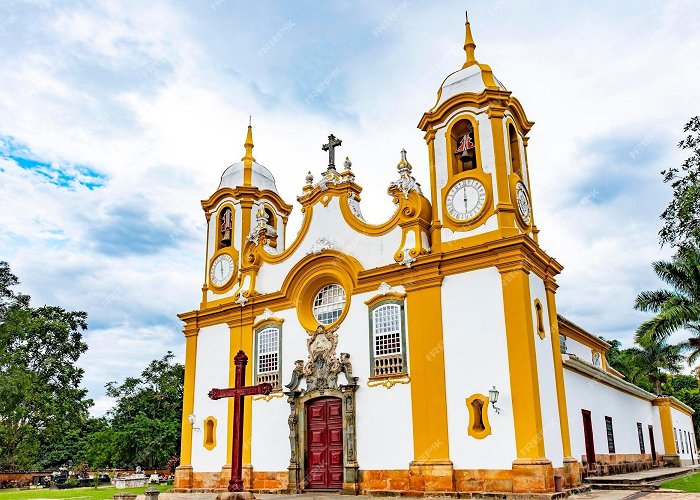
x=347, y=163
x=248, y=145
x=406, y=182
x=309, y=178
x=469, y=44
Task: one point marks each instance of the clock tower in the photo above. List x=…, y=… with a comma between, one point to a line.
x=477, y=135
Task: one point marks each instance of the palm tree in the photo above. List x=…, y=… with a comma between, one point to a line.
x=657, y=358
x=676, y=308
x=693, y=343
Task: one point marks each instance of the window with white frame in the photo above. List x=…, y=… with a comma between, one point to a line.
x=267, y=362
x=387, y=331
x=329, y=304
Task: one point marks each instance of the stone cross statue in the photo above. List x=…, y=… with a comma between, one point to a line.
x=333, y=142
x=238, y=392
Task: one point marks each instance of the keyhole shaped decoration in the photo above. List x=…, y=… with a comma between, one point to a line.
x=478, y=408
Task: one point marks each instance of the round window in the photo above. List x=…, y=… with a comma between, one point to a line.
x=329, y=304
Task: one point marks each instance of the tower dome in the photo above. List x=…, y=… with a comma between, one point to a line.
x=248, y=172
x=473, y=77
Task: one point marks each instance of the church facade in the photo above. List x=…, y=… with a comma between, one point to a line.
x=424, y=354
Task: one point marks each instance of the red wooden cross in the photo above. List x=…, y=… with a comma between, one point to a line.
x=238, y=392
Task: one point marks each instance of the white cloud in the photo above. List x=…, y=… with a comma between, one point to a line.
x=156, y=97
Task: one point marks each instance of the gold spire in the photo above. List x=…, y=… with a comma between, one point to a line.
x=469, y=44
x=248, y=158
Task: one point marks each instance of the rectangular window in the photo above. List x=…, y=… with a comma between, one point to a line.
x=562, y=343
x=611, y=437
x=267, y=366
x=387, y=331
x=675, y=435
x=641, y=438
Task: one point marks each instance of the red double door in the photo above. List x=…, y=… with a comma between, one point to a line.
x=324, y=448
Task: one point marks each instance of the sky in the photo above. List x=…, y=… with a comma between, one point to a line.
x=117, y=118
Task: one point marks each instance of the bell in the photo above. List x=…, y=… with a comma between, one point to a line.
x=226, y=238
x=465, y=158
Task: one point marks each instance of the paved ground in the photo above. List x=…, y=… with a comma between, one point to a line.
x=643, y=476
x=593, y=495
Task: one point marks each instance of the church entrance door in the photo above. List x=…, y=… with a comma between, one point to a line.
x=324, y=444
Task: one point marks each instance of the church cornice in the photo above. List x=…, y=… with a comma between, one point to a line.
x=497, y=102
x=249, y=194
x=515, y=252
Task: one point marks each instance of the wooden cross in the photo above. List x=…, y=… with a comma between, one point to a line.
x=333, y=142
x=238, y=392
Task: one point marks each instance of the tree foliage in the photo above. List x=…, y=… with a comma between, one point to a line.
x=676, y=307
x=42, y=405
x=682, y=216
x=143, y=428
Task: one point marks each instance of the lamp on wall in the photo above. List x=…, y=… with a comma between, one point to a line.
x=192, y=418
x=493, y=398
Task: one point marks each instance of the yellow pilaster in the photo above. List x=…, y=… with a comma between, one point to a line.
x=551, y=287
x=522, y=361
x=427, y=370
x=504, y=209
x=188, y=394
x=435, y=236
x=666, y=419
x=241, y=338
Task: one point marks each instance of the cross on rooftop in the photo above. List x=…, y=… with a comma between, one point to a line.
x=333, y=142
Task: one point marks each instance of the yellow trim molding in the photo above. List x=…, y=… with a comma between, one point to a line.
x=388, y=381
x=473, y=430
x=381, y=297
x=188, y=393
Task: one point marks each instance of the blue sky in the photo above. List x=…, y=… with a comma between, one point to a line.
x=116, y=118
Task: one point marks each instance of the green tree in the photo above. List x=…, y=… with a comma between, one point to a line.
x=42, y=405
x=675, y=308
x=657, y=359
x=146, y=419
x=626, y=361
x=682, y=216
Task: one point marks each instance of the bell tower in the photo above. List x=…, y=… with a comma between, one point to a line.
x=477, y=136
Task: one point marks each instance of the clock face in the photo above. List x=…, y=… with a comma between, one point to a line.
x=221, y=270
x=466, y=199
x=523, y=201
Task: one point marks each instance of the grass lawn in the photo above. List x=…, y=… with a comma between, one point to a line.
x=689, y=483
x=101, y=493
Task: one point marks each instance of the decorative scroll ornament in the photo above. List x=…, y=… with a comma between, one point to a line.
x=322, y=365
x=319, y=246
x=384, y=288
x=354, y=204
x=261, y=230
x=408, y=259
x=406, y=182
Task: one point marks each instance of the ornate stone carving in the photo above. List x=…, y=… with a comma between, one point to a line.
x=406, y=182
x=319, y=246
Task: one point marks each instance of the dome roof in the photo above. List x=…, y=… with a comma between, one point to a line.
x=261, y=177
x=473, y=77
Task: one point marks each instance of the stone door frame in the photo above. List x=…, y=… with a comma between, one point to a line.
x=297, y=437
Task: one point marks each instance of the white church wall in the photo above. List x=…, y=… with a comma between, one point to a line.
x=683, y=429
x=551, y=425
x=581, y=351
x=476, y=358
x=270, y=432
x=212, y=362
x=583, y=393
x=384, y=417
x=327, y=223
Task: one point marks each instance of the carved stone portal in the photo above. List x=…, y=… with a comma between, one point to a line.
x=320, y=372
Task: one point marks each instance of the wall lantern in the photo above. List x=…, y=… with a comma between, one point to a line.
x=192, y=418
x=493, y=398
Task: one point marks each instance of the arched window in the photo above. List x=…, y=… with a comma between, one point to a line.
x=539, y=316
x=515, y=160
x=388, y=338
x=271, y=226
x=267, y=355
x=225, y=228
x=210, y=433
x=463, y=147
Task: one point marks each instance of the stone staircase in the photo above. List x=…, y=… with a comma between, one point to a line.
x=645, y=480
